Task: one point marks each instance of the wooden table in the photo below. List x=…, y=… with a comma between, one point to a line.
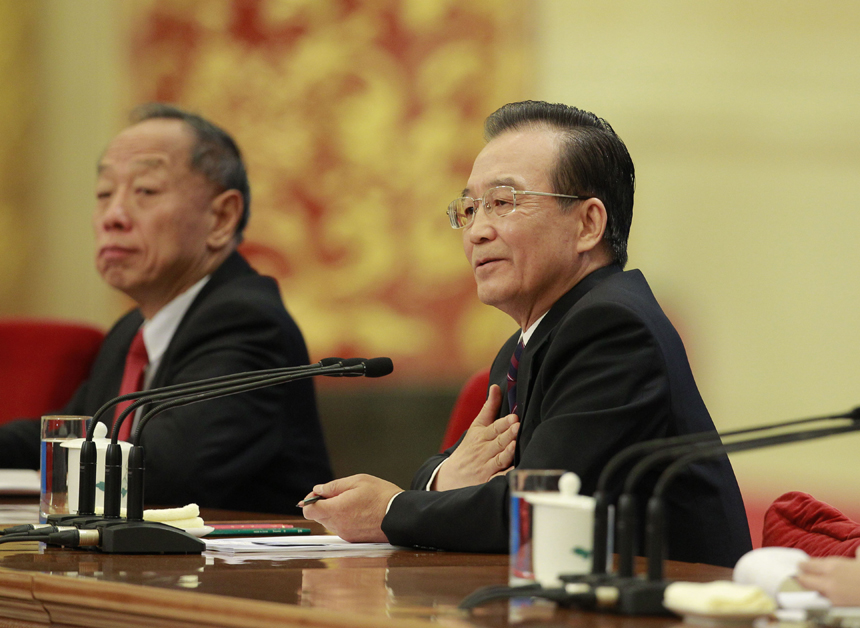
x=63, y=587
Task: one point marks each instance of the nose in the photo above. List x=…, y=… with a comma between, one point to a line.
x=481, y=228
x=113, y=215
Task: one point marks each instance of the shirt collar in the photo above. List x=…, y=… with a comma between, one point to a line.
x=528, y=333
x=158, y=331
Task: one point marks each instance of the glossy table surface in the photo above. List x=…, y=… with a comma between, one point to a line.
x=402, y=587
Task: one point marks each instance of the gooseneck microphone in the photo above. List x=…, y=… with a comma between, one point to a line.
x=655, y=531
x=201, y=392
x=627, y=534
x=133, y=534
x=644, y=596
x=622, y=593
x=353, y=367
x=87, y=482
x=664, y=449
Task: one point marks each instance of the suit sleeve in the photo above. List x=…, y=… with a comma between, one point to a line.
x=600, y=385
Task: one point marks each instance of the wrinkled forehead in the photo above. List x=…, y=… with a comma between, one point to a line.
x=157, y=145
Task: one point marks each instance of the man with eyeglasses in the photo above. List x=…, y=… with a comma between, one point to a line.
x=595, y=367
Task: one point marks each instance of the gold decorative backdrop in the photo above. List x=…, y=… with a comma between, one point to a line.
x=359, y=121
x=17, y=100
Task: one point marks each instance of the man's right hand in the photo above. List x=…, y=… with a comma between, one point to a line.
x=486, y=450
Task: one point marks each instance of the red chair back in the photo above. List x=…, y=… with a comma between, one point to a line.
x=469, y=402
x=42, y=363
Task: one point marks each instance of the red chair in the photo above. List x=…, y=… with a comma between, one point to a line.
x=42, y=363
x=469, y=402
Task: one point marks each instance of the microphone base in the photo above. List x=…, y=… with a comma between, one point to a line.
x=145, y=537
x=72, y=520
x=641, y=597
x=625, y=596
x=594, y=580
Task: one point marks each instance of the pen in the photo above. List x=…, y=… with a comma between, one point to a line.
x=309, y=500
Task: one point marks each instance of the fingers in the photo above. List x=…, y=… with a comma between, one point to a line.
x=503, y=472
x=811, y=582
x=491, y=407
x=506, y=424
x=311, y=499
x=333, y=488
x=329, y=489
x=820, y=566
x=505, y=458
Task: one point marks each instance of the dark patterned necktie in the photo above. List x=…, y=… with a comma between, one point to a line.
x=512, y=376
x=132, y=380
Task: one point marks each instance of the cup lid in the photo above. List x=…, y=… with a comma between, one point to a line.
x=583, y=502
x=99, y=438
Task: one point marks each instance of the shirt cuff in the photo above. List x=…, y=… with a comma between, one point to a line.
x=391, y=501
x=433, y=476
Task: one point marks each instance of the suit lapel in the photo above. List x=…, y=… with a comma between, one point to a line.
x=234, y=266
x=536, y=348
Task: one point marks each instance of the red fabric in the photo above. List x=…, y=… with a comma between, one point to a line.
x=469, y=402
x=41, y=364
x=799, y=520
x=132, y=380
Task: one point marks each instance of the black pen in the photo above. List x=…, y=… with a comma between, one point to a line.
x=309, y=500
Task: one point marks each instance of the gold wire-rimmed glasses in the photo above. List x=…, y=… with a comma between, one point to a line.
x=500, y=200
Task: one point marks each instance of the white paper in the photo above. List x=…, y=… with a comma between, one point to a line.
x=15, y=514
x=291, y=544
x=19, y=482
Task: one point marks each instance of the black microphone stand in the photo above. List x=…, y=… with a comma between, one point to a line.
x=661, y=449
x=133, y=534
x=624, y=593
x=644, y=596
x=88, y=456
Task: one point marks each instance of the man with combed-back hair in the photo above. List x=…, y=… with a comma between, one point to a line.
x=545, y=217
x=172, y=202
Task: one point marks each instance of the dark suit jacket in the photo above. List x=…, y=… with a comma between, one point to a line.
x=603, y=370
x=257, y=451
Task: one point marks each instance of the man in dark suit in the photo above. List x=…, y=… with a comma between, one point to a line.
x=172, y=204
x=545, y=218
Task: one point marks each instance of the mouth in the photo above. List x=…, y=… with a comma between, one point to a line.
x=486, y=262
x=113, y=252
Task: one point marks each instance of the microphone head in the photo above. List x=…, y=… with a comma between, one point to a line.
x=378, y=367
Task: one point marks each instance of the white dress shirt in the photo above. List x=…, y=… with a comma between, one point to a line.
x=158, y=332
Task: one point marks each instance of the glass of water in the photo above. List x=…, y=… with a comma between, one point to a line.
x=54, y=461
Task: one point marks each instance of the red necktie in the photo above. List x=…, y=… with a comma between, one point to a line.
x=132, y=380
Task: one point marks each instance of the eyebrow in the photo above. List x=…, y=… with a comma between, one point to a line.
x=495, y=183
x=146, y=163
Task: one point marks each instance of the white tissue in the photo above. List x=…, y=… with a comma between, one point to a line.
x=769, y=567
x=717, y=598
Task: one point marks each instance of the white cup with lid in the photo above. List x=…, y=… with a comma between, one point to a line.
x=74, y=477
x=562, y=533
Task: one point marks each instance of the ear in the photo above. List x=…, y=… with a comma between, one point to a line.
x=592, y=223
x=225, y=211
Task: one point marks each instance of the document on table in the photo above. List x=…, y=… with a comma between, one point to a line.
x=19, y=482
x=321, y=543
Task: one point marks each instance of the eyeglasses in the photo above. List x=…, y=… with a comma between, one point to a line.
x=500, y=200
